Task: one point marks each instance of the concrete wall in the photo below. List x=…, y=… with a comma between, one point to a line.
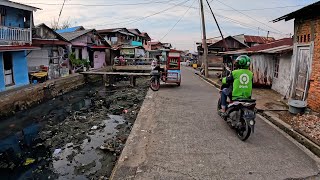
x=282, y=83
x=25, y=97
x=2, y=82
x=20, y=68
x=38, y=57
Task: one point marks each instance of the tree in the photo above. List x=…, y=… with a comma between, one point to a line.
x=65, y=24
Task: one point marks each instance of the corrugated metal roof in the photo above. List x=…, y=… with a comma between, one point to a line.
x=257, y=39
x=110, y=30
x=18, y=5
x=68, y=30
x=278, y=49
x=277, y=46
x=305, y=11
x=73, y=35
x=154, y=43
x=277, y=43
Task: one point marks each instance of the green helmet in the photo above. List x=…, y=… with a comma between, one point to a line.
x=243, y=62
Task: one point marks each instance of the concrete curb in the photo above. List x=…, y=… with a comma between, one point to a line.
x=286, y=128
x=134, y=153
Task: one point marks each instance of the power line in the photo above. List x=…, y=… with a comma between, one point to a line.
x=177, y=21
x=61, y=11
x=101, y=5
x=249, y=26
x=145, y=17
x=248, y=16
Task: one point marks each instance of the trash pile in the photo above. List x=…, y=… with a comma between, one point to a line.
x=80, y=137
x=309, y=125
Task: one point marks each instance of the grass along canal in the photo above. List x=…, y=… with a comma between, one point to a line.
x=77, y=135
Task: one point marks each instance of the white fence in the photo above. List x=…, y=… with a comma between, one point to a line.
x=12, y=34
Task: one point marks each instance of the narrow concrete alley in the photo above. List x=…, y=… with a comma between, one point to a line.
x=178, y=135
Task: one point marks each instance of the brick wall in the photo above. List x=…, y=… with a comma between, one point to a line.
x=307, y=31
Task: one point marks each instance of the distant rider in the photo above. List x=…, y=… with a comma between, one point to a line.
x=240, y=83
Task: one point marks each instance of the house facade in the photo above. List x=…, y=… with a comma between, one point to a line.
x=16, y=25
x=270, y=64
x=52, y=53
x=88, y=45
x=305, y=65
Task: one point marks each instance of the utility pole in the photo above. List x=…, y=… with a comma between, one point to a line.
x=204, y=41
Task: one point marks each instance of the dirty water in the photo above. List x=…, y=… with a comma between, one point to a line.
x=78, y=135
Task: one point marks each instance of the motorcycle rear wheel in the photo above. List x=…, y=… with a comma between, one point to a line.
x=244, y=131
x=155, y=84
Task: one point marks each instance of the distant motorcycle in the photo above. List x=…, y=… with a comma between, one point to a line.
x=155, y=80
x=240, y=116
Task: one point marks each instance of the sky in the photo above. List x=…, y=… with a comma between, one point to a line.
x=174, y=21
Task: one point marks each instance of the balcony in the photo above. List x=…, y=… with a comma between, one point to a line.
x=13, y=35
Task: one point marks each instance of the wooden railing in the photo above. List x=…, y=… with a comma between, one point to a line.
x=133, y=61
x=13, y=34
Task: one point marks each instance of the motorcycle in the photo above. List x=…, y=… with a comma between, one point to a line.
x=155, y=80
x=240, y=115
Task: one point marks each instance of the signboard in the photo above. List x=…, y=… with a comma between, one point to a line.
x=173, y=63
x=173, y=75
x=127, y=51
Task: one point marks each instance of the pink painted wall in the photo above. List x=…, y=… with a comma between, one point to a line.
x=99, y=59
x=147, y=46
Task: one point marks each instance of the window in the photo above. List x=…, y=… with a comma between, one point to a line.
x=276, y=66
x=2, y=16
x=80, y=53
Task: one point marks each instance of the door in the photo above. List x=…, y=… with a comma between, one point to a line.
x=99, y=59
x=302, y=72
x=8, y=68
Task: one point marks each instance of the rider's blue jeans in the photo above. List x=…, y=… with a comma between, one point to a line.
x=224, y=97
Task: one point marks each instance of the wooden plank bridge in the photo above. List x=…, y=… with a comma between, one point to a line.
x=109, y=76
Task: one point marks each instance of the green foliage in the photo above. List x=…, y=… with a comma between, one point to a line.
x=78, y=62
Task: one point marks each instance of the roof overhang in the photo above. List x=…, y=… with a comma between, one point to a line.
x=49, y=42
x=18, y=6
x=305, y=12
x=18, y=48
x=99, y=47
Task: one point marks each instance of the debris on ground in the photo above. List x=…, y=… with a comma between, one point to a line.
x=309, y=125
x=74, y=126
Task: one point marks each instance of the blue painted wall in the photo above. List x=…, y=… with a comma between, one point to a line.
x=2, y=83
x=136, y=43
x=20, y=68
x=14, y=17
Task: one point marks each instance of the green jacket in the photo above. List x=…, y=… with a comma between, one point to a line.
x=240, y=83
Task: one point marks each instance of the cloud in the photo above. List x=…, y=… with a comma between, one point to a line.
x=187, y=31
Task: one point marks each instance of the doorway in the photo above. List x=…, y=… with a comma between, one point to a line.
x=8, y=68
x=302, y=73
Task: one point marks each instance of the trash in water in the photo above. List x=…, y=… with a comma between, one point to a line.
x=57, y=151
x=28, y=161
x=94, y=128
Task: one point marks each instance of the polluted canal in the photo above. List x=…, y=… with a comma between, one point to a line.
x=78, y=135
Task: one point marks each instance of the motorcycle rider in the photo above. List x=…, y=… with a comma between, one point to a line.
x=239, y=81
x=156, y=65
